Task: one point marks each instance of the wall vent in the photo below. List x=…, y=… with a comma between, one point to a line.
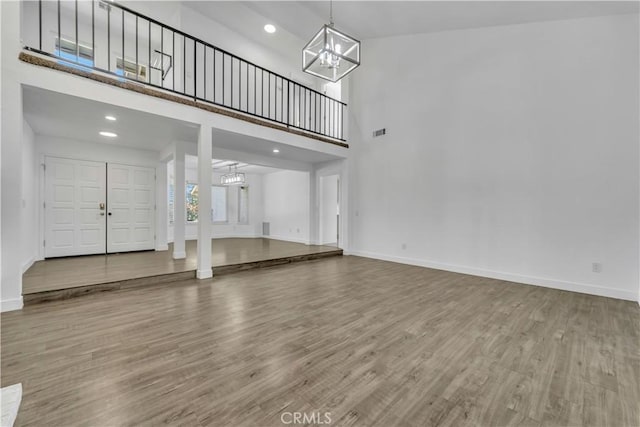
x=379, y=132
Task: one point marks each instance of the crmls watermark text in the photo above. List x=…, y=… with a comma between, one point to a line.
x=305, y=418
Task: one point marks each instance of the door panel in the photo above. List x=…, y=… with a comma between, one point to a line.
x=131, y=213
x=74, y=222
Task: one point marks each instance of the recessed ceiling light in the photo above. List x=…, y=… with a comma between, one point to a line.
x=110, y=118
x=108, y=134
x=269, y=28
x=275, y=150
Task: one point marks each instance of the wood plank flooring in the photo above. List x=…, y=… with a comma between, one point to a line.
x=65, y=273
x=373, y=343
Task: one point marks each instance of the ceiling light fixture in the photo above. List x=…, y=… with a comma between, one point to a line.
x=275, y=150
x=233, y=177
x=270, y=28
x=109, y=134
x=331, y=54
x=110, y=118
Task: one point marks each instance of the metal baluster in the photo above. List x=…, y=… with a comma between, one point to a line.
x=137, y=66
x=77, y=45
x=40, y=23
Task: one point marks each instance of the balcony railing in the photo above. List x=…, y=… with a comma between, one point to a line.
x=109, y=38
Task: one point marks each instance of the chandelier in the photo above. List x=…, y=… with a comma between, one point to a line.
x=331, y=54
x=233, y=177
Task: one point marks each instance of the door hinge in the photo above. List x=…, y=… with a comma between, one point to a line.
x=44, y=205
x=44, y=243
x=44, y=166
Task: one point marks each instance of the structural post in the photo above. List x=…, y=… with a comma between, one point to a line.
x=179, y=205
x=204, y=203
x=11, y=125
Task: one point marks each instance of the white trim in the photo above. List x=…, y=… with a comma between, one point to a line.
x=511, y=277
x=162, y=247
x=27, y=265
x=204, y=274
x=179, y=255
x=11, y=304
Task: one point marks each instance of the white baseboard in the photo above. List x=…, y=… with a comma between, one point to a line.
x=11, y=304
x=235, y=236
x=162, y=247
x=27, y=265
x=511, y=277
x=179, y=255
x=204, y=274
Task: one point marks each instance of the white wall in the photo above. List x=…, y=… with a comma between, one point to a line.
x=29, y=216
x=328, y=209
x=232, y=228
x=286, y=205
x=510, y=152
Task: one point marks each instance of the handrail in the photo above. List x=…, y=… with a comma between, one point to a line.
x=172, y=60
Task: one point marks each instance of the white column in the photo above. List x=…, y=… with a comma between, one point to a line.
x=162, y=206
x=11, y=155
x=180, y=207
x=205, y=180
x=314, y=222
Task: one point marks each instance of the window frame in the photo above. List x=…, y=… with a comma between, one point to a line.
x=248, y=221
x=226, y=204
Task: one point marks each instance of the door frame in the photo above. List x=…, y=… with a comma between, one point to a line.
x=42, y=155
x=340, y=168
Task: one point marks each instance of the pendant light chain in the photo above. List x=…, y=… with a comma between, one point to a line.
x=331, y=13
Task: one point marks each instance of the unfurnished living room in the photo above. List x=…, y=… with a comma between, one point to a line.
x=340, y=213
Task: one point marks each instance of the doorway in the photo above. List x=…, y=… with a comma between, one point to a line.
x=330, y=210
x=97, y=207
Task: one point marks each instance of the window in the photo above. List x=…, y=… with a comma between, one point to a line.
x=191, y=199
x=218, y=203
x=171, y=201
x=243, y=205
x=128, y=69
x=81, y=54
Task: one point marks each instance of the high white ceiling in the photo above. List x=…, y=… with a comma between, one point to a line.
x=372, y=19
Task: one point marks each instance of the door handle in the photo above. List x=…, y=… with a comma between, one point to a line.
x=109, y=214
x=101, y=206
x=101, y=213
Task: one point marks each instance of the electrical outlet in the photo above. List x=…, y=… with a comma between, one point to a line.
x=596, y=267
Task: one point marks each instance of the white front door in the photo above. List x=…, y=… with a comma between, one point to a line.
x=75, y=192
x=131, y=208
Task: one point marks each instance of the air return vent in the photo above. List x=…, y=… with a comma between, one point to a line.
x=379, y=132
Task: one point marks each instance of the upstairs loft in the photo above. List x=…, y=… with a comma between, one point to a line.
x=113, y=44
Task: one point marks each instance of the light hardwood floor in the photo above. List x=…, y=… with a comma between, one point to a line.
x=71, y=272
x=371, y=342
